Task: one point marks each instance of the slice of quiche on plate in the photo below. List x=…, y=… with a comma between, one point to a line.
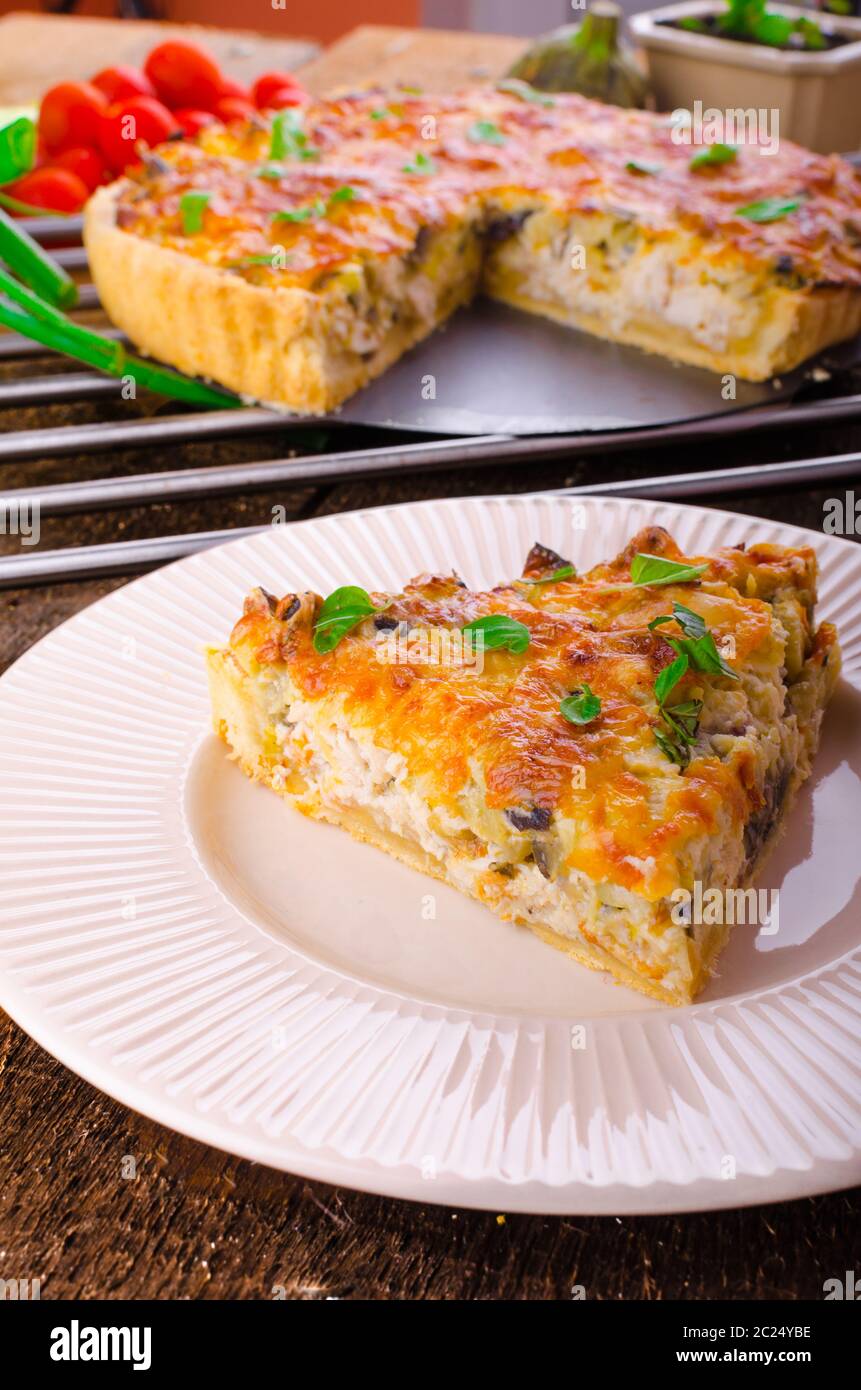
x=576, y=752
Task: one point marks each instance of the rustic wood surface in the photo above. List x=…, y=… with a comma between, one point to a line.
x=196, y=1223
x=38, y=50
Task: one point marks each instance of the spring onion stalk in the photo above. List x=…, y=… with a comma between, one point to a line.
x=33, y=318
x=17, y=148
x=29, y=209
x=26, y=259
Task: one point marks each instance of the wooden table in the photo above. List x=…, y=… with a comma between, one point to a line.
x=196, y=1223
x=38, y=50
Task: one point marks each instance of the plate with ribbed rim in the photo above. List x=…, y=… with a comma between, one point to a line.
x=190, y=945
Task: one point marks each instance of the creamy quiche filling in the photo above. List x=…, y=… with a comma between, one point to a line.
x=579, y=824
x=387, y=210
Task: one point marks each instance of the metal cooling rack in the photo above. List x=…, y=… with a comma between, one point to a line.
x=147, y=436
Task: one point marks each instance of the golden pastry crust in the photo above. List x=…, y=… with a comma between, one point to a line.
x=582, y=832
x=397, y=209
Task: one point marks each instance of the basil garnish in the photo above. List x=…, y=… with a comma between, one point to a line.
x=516, y=87
x=653, y=569
x=498, y=630
x=304, y=214
x=564, y=572
x=420, y=164
x=192, y=206
x=769, y=209
x=581, y=706
x=669, y=678
x=485, y=133
x=698, y=645
x=343, y=610
x=713, y=154
x=640, y=166
x=288, y=140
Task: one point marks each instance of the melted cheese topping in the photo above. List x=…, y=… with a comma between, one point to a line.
x=572, y=156
x=475, y=745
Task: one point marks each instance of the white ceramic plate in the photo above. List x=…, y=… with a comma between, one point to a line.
x=187, y=943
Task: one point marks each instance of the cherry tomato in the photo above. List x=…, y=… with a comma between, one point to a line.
x=192, y=122
x=139, y=120
x=56, y=190
x=120, y=83
x=268, y=83
x=285, y=96
x=184, y=75
x=70, y=115
x=89, y=166
x=234, y=109
x=231, y=88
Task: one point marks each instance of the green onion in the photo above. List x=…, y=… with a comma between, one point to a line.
x=192, y=206
x=581, y=706
x=17, y=148
x=498, y=630
x=44, y=324
x=26, y=259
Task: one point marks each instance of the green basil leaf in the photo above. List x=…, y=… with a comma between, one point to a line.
x=420, y=164
x=564, y=572
x=498, y=630
x=581, y=706
x=485, y=133
x=344, y=609
x=691, y=623
x=304, y=214
x=769, y=209
x=677, y=753
x=515, y=87
x=669, y=677
x=704, y=656
x=713, y=154
x=640, y=166
x=192, y=206
x=345, y=194
x=653, y=569
x=288, y=140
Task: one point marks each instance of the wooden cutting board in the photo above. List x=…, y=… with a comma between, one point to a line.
x=436, y=59
x=38, y=50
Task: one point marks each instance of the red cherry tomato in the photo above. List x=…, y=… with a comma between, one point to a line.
x=70, y=115
x=231, y=88
x=285, y=96
x=234, y=109
x=89, y=166
x=192, y=122
x=140, y=120
x=56, y=190
x=120, y=83
x=184, y=75
x=268, y=83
